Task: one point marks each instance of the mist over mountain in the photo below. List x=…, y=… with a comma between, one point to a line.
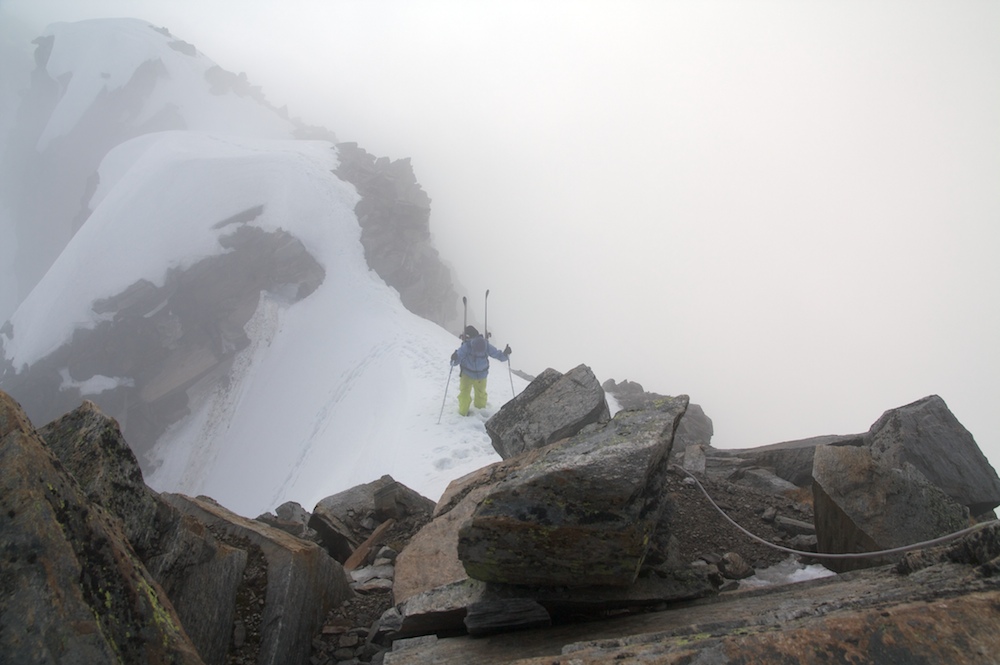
x=190, y=263
x=788, y=306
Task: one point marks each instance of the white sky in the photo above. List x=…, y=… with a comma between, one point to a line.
x=787, y=210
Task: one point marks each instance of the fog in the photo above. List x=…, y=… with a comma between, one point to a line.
x=788, y=211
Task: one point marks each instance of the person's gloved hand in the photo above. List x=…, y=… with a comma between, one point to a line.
x=506, y=350
x=454, y=357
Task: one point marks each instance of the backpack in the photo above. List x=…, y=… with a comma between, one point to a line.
x=478, y=346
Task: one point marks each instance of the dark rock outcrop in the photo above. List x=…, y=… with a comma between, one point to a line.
x=553, y=406
x=165, y=340
x=394, y=214
x=199, y=573
x=91, y=446
x=72, y=587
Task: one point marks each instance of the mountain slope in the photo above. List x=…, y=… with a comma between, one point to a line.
x=216, y=300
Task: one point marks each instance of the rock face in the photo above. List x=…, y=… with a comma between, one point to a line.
x=553, y=406
x=579, y=512
x=227, y=580
x=91, y=446
x=72, y=586
x=200, y=574
x=394, y=213
x=927, y=435
x=864, y=503
x=247, y=592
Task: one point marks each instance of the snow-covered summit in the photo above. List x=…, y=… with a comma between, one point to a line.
x=327, y=381
x=96, y=84
x=99, y=57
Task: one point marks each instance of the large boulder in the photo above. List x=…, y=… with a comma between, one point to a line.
x=200, y=574
x=864, y=502
x=927, y=435
x=432, y=587
x=71, y=588
x=553, y=406
x=298, y=583
x=695, y=429
x=578, y=512
x=430, y=560
x=344, y=520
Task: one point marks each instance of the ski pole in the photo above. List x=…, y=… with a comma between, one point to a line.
x=445, y=398
x=510, y=373
x=486, y=327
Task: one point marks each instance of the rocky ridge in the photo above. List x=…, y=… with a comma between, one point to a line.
x=379, y=574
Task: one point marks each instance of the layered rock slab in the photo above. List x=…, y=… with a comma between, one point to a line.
x=578, y=512
x=303, y=581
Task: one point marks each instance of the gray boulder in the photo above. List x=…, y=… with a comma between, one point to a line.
x=927, y=435
x=578, y=512
x=864, y=502
x=695, y=428
x=344, y=520
x=202, y=575
x=71, y=589
x=553, y=406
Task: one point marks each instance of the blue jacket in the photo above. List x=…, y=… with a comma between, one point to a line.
x=474, y=357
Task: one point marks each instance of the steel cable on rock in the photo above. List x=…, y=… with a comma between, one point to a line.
x=826, y=555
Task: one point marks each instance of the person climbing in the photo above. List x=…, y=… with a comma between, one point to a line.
x=473, y=357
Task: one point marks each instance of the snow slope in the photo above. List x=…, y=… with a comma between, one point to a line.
x=99, y=56
x=334, y=390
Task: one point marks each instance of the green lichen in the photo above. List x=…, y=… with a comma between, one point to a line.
x=161, y=617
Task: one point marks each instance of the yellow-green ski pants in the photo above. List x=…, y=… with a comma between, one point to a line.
x=465, y=388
